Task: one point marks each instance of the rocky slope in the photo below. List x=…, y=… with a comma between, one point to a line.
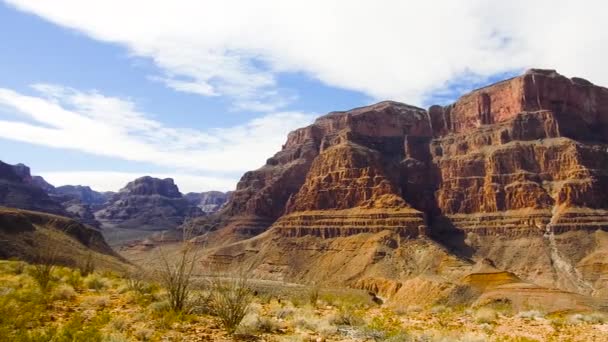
x=149, y=204
x=30, y=235
x=514, y=173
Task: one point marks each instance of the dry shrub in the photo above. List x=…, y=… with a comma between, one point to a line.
x=96, y=282
x=485, y=315
x=229, y=300
x=64, y=292
x=176, y=274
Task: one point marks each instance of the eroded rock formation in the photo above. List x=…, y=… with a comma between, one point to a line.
x=515, y=173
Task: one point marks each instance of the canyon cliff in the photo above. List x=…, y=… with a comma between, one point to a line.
x=513, y=175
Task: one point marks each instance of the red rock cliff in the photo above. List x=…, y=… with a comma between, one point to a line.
x=502, y=157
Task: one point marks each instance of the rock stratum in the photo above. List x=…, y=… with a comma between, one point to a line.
x=403, y=200
x=148, y=203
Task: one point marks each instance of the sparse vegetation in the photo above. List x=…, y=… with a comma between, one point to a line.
x=117, y=312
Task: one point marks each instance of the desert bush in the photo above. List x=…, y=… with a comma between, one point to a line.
x=283, y=313
x=313, y=294
x=64, y=292
x=485, y=315
x=266, y=324
x=96, y=282
x=229, y=301
x=119, y=323
x=384, y=327
x=159, y=307
x=592, y=318
x=348, y=317
x=135, y=282
x=78, y=330
x=143, y=334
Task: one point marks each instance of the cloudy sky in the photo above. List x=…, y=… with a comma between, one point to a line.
x=101, y=92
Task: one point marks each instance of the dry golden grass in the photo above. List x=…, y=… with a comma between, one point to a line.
x=103, y=307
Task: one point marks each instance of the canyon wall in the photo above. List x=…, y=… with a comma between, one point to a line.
x=509, y=173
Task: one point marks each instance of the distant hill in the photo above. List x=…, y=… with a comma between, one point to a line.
x=29, y=235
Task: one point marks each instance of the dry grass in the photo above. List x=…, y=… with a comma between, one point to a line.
x=114, y=312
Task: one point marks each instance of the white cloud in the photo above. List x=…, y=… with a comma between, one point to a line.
x=113, y=181
x=396, y=49
x=93, y=123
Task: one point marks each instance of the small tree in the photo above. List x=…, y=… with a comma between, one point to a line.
x=229, y=300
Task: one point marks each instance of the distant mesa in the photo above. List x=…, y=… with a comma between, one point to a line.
x=148, y=203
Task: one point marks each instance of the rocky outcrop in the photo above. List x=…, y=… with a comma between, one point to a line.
x=510, y=173
x=149, y=204
x=17, y=191
x=209, y=201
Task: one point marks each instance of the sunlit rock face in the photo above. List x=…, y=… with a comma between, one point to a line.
x=515, y=173
x=529, y=143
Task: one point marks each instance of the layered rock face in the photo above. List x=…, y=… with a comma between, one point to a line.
x=148, y=203
x=16, y=191
x=344, y=161
x=518, y=166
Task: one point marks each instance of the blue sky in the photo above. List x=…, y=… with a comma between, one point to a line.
x=103, y=92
